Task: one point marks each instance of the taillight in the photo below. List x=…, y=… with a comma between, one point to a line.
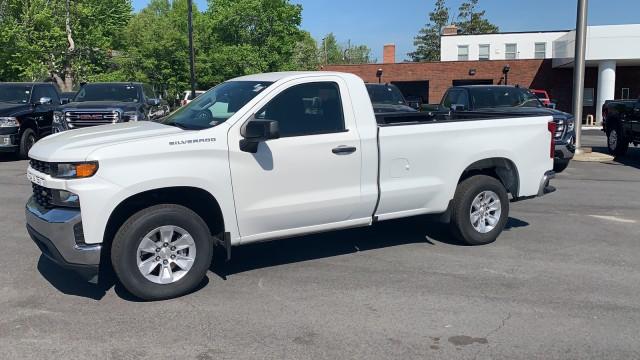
x=551, y=126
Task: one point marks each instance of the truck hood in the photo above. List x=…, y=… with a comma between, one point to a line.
x=12, y=109
x=97, y=105
x=76, y=145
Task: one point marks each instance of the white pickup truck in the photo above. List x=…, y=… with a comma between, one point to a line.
x=269, y=156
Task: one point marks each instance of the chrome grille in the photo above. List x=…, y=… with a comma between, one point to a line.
x=41, y=166
x=78, y=119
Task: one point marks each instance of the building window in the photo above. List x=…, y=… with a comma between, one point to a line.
x=625, y=93
x=541, y=50
x=587, y=100
x=463, y=52
x=510, y=51
x=484, y=52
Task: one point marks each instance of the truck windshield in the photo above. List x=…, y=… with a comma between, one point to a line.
x=385, y=94
x=15, y=93
x=503, y=96
x=108, y=92
x=216, y=105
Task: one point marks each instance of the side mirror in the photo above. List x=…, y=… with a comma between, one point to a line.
x=153, y=102
x=44, y=101
x=64, y=101
x=457, y=107
x=256, y=131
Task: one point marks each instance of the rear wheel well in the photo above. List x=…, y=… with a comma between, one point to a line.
x=500, y=168
x=198, y=200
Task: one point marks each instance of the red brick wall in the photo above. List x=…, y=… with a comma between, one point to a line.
x=389, y=54
x=526, y=73
x=534, y=74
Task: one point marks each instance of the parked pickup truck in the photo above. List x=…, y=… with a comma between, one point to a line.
x=621, y=123
x=270, y=156
x=109, y=103
x=387, y=98
x=26, y=113
x=460, y=102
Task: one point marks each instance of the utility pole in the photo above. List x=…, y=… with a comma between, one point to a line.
x=324, y=44
x=192, y=62
x=578, y=70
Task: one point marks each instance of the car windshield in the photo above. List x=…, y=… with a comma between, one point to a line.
x=15, y=93
x=385, y=94
x=108, y=92
x=216, y=105
x=493, y=97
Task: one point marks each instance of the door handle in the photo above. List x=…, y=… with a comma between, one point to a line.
x=344, y=150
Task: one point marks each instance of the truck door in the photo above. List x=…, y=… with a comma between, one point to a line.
x=307, y=178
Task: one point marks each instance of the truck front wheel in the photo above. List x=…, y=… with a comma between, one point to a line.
x=480, y=210
x=616, y=143
x=162, y=252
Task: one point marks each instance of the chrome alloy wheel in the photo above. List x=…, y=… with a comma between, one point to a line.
x=166, y=254
x=485, y=211
x=613, y=139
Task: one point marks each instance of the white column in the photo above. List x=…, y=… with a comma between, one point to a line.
x=606, y=85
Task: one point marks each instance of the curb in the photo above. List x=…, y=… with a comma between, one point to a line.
x=593, y=157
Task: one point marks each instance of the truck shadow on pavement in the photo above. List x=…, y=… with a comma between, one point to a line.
x=631, y=158
x=311, y=247
x=273, y=253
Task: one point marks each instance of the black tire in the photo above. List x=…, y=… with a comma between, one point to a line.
x=125, y=246
x=466, y=192
x=560, y=165
x=616, y=142
x=27, y=140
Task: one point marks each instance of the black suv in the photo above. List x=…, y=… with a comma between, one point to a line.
x=26, y=114
x=471, y=101
x=108, y=103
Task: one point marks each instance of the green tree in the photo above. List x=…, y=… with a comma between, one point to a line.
x=470, y=21
x=427, y=42
x=158, y=49
x=331, y=52
x=65, y=40
x=306, y=55
x=246, y=36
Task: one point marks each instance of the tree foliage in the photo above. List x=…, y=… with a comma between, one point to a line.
x=332, y=52
x=60, y=39
x=71, y=41
x=469, y=21
x=427, y=42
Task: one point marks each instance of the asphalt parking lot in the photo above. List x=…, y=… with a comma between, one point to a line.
x=563, y=281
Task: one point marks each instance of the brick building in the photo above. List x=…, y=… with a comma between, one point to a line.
x=613, y=65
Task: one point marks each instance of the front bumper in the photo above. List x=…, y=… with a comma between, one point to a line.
x=58, y=234
x=9, y=139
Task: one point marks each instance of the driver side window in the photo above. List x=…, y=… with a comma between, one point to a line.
x=306, y=109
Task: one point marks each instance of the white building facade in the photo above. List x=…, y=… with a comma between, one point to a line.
x=608, y=47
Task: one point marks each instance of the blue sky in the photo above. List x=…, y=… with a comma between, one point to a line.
x=377, y=22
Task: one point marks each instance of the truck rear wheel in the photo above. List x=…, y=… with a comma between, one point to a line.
x=162, y=252
x=616, y=143
x=480, y=210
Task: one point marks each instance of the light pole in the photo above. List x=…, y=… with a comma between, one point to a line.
x=192, y=63
x=578, y=70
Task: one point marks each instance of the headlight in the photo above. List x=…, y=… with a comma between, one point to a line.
x=58, y=117
x=74, y=170
x=571, y=123
x=132, y=116
x=9, y=122
x=64, y=198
